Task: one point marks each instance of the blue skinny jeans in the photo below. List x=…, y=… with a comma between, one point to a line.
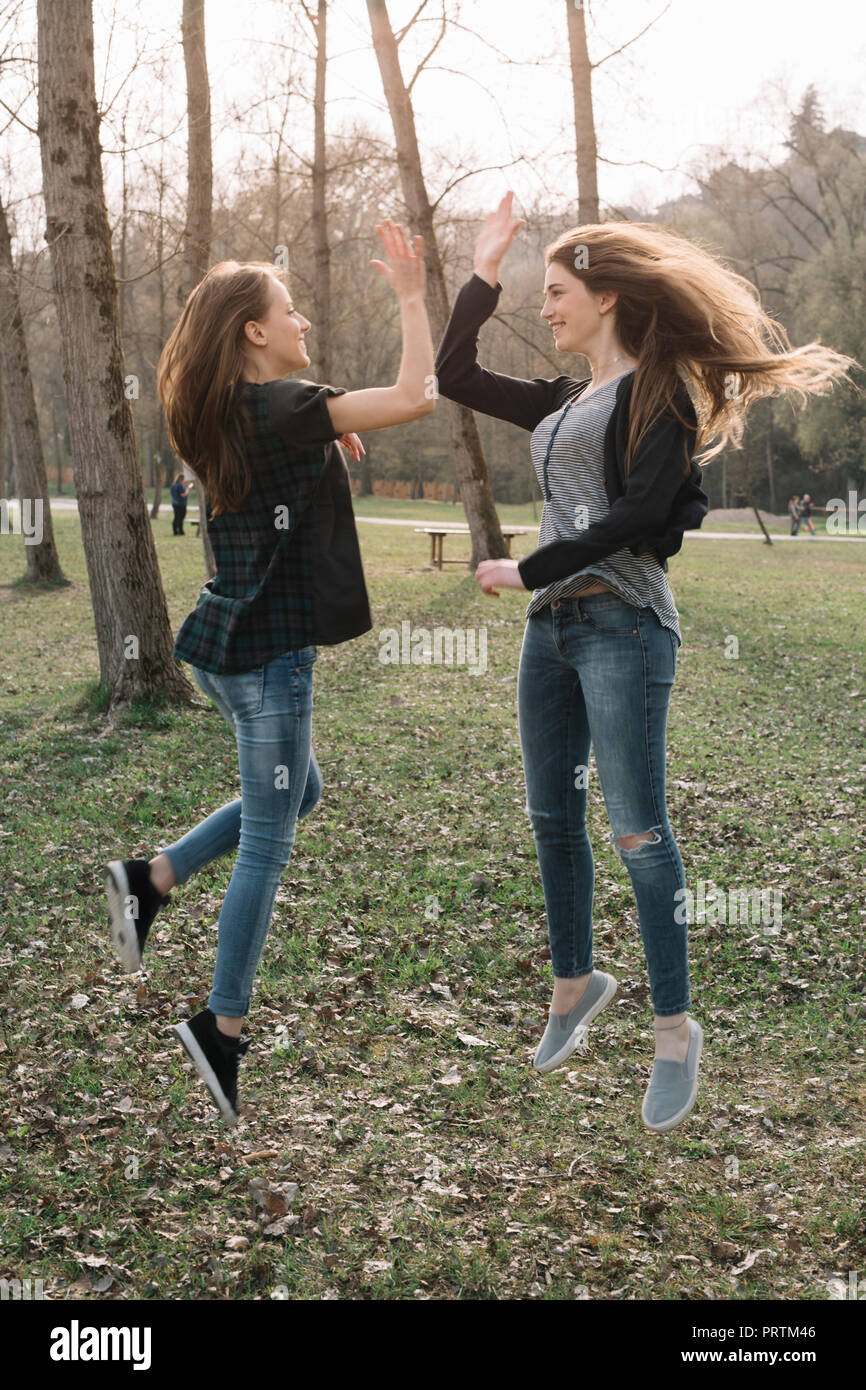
x=598, y=670
x=270, y=709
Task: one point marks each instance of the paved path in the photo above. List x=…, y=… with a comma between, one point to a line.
x=66, y=504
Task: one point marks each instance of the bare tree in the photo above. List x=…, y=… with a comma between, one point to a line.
x=584, y=118
x=321, y=244
x=161, y=469
x=134, y=639
x=43, y=562
x=7, y=465
x=197, y=233
x=470, y=464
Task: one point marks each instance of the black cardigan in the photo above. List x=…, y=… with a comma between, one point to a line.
x=649, y=510
x=341, y=607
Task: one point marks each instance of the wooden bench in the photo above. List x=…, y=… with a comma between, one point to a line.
x=437, y=536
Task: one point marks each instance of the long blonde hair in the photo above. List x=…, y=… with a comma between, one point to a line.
x=689, y=320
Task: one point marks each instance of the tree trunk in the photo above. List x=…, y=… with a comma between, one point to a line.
x=771, y=472
x=197, y=233
x=160, y=285
x=484, y=528
x=31, y=480
x=58, y=452
x=760, y=522
x=750, y=498
x=584, y=121
x=7, y=469
x=134, y=639
x=321, y=246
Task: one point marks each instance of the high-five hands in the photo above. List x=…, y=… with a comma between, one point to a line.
x=499, y=230
x=404, y=269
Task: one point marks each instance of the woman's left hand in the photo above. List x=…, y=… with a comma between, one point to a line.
x=502, y=572
x=353, y=444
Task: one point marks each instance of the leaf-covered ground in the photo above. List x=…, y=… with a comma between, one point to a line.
x=396, y=1142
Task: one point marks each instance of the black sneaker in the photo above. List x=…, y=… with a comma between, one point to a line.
x=216, y=1057
x=133, y=902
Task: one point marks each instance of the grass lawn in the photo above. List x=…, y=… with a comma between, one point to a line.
x=400, y=999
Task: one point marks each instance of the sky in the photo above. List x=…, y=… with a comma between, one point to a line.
x=705, y=77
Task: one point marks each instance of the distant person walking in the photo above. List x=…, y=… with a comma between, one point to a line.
x=794, y=513
x=806, y=513
x=179, y=491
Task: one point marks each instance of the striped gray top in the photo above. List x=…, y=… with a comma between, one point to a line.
x=575, y=478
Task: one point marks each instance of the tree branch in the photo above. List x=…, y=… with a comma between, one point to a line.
x=629, y=42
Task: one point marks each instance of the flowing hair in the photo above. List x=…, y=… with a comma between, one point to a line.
x=690, y=321
x=198, y=369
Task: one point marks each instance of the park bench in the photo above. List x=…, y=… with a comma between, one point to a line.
x=437, y=536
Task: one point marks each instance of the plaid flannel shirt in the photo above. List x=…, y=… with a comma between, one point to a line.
x=261, y=602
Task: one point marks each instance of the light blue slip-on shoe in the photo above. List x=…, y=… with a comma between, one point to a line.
x=673, y=1086
x=565, y=1033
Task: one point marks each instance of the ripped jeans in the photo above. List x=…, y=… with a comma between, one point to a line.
x=596, y=669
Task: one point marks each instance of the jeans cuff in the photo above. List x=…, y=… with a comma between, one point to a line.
x=229, y=1008
x=180, y=869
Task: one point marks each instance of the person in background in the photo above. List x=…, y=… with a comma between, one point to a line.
x=794, y=513
x=806, y=513
x=179, y=492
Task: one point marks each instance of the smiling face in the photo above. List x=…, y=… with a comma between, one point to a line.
x=275, y=344
x=576, y=315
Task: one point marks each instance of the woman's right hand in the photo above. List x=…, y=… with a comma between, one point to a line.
x=494, y=239
x=404, y=269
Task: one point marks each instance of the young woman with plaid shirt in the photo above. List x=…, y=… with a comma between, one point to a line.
x=288, y=575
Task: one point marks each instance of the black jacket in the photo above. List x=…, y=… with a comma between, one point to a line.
x=650, y=510
x=341, y=608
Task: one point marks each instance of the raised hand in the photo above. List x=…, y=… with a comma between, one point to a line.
x=404, y=269
x=495, y=237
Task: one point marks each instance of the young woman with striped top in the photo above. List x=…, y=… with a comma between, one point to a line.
x=651, y=312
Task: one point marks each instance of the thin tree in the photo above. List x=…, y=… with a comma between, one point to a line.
x=199, y=210
x=470, y=464
x=321, y=243
x=134, y=639
x=43, y=562
x=584, y=119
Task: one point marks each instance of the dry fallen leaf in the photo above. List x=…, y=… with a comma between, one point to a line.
x=750, y=1260
x=452, y=1077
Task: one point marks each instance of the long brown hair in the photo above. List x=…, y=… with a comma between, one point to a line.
x=691, y=322
x=198, y=369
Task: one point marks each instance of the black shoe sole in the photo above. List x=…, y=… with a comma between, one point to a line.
x=199, y=1060
x=124, y=935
